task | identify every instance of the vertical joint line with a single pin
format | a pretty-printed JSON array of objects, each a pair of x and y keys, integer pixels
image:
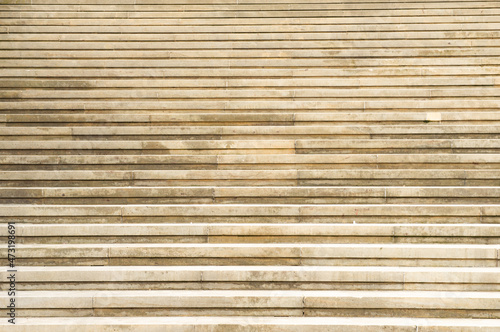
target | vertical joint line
[
  {"x": 207, "y": 234},
  {"x": 300, "y": 252}
]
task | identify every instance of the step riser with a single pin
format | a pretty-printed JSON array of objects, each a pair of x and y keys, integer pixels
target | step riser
[
  {"x": 107, "y": 200},
  {"x": 98, "y": 239},
  {"x": 256, "y": 219},
  {"x": 146, "y": 261},
  {"x": 268, "y": 285},
  {"x": 211, "y": 324},
  {"x": 265, "y": 312},
  {"x": 261, "y": 151},
  {"x": 270, "y": 136},
  {"x": 264, "y": 166}
]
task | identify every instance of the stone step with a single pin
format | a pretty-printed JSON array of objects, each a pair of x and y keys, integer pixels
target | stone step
[
  {"x": 71, "y": 233},
  {"x": 252, "y": 213},
  {"x": 24, "y": 35},
  {"x": 281, "y": 73},
  {"x": 274, "y": 53},
  {"x": 208, "y": 324},
  {"x": 198, "y": 12},
  {"x": 370, "y": 94},
  {"x": 432, "y": 255},
  {"x": 221, "y": 6},
  {"x": 248, "y": 45},
  {"x": 256, "y": 161},
  {"x": 259, "y": 21},
  {"x": 252, "y": 278},
  {"x": 240, "y": 119},
  {"x": 292, "y": 63},
  {"x": 426, "y": 304},
  {"x": 253, "y": 84},
  {"x": 402, "y": 26},
  {"x": 248, "y": 147},
  {"x": 333, "y": 177},
  {"x": 429, "y": 131},
  {"x": 251, "y": 195},
  {"x": 250, "y": 105},
  {"x": 259, "y": 210}
]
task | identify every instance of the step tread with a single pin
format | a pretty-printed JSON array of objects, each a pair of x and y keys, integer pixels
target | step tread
[{"x": 289, "y": 323}]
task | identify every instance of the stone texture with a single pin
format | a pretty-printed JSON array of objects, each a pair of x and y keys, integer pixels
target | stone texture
[{"x": 206, "y": 165}]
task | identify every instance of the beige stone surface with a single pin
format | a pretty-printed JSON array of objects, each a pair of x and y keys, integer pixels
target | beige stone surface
[
  {"x": 236, "y": 165},
  {"x": 212, "y": 324}
]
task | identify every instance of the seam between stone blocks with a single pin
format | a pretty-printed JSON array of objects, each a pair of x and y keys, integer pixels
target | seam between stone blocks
[
  {"x": 43, "y": 195},
  {"x": 207, "y": 234},
  {"x": 109, "y": 256},
  {"x": 393, "y": 234},
  {"x": 300, "y": 255},
  {"x": 121, "y": 214},
  {"x": 132, "y": 178}
]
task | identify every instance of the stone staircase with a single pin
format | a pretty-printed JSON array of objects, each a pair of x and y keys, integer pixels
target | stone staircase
[{"x": 249, "y": 165}]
